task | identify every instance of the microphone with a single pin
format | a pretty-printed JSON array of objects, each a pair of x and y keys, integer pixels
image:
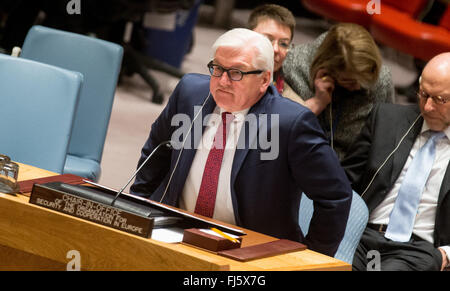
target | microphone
[
  {"x": 166, "y": 143},
  {"x": 182, "y": 148}
]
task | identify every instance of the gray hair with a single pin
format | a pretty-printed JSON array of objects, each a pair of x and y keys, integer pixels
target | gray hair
[{"x": 240, "y": 38}]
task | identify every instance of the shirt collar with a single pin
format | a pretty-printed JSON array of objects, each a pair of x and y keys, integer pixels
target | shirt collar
[
  {"x": 238, "y": 115},
  {"x": 425, "y": 128}
]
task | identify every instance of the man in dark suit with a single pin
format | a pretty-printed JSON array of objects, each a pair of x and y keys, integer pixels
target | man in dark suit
[
  {"x": 401, "y": 151},
  {"x": 274, "y": 150}
]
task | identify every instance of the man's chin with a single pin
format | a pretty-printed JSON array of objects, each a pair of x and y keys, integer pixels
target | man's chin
[
  {"x": 223, "y": 100},
  {"x": 435, "y": 124},
  {"x": 223, "y": 96}
]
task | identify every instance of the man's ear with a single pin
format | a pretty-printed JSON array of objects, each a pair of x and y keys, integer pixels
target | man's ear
[{"x": 266, "y": 80}]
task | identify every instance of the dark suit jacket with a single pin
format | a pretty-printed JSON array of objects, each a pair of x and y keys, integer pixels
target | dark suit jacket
[
  {"x": 265, "y": 193},
  {"x": 383, "y": 131}
]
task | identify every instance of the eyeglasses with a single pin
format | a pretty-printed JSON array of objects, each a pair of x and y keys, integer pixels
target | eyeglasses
[
  {"x": 233, "y": 74},
  {"x": 283, "y": 45},
  {"x": 437, "y": 99}
]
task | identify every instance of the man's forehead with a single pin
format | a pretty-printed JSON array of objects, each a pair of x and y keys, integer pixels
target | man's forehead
[
  {"x": 228, "y": 56},
  {"x": 434, "y": 84}
]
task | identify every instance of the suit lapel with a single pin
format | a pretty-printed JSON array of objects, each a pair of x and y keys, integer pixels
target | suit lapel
[
  {"x": 445, "y": 188},
  {"x": 188, "y": 154},
  {"x": 402, "y": 154},
  {"x": 441, "y": 212},
  {"x": 247, "y": 137}
]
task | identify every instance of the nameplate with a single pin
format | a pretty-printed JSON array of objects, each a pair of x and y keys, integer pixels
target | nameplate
[{"x": 92, "y": 211}]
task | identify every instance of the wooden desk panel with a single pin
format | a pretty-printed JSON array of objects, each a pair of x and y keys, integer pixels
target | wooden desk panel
[{"x": 35, "y": 238}]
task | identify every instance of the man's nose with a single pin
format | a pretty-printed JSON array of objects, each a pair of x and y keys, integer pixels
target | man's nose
[
  {"x": 225, "y": 79},
  {"x": 429, "y": 105}
]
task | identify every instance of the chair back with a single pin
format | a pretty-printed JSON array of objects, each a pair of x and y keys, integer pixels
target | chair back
[
  {"x": 356, "y": 223},
  {"x": 38, "y": 104},
  {"x": 445, "y": 20},
  {"x": 99, "y": 61},
  {"x": 410, "y": 7}
]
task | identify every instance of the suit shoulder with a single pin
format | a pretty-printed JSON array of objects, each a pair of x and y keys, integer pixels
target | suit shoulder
[
  {"x": 395, "y": 109},
  {"x": 193, "y": 84},
  {"x": 291, "y": 115},
  {"x": 195, "y": 77},
  {"x": 286, "y": 106}
]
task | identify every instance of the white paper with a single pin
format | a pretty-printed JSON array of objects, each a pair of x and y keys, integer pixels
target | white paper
[{"x": 168, "y": 235}]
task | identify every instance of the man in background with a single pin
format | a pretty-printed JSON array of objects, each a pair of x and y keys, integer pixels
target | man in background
[{"x": 400, "y": 166}]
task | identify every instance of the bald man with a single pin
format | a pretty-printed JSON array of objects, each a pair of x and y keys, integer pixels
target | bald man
[{"x": 400, "y": 166}]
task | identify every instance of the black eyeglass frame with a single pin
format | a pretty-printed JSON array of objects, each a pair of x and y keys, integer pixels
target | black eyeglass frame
[{"x": 211, "y": 66}]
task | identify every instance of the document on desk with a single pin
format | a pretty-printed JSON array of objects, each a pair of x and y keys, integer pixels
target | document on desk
[{"x": 168, "y": 235}]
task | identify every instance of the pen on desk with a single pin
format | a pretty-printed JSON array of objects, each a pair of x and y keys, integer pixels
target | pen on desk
[{"x": 224, "y": 235}]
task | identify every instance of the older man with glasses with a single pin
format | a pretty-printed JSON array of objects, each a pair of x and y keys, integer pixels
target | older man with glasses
[
  {"x": 219, "y": 167},
  {"x": 400, "y": 166}
]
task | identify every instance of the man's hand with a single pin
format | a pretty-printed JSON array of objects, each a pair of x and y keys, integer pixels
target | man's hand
[
  {"x": 324, "y": 87},
  {"x": 444, "y": 259}
]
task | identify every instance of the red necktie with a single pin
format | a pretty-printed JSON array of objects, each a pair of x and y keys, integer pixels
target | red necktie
[{"x": 206, "y": 199}]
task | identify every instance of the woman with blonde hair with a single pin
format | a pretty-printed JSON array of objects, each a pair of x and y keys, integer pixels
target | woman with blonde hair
[{"x": 339, "y": 76}]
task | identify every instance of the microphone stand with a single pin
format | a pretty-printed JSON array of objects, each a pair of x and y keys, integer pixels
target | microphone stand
[{"x": 167, "y": 143}]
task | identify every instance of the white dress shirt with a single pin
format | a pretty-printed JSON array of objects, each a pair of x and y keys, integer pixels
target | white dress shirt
[
  {"x": 426, "y": 214},
  {"x": 223, "y": 209}
]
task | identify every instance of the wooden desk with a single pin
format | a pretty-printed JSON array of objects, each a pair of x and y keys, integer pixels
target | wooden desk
[{"x": 35, "y": 238}]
